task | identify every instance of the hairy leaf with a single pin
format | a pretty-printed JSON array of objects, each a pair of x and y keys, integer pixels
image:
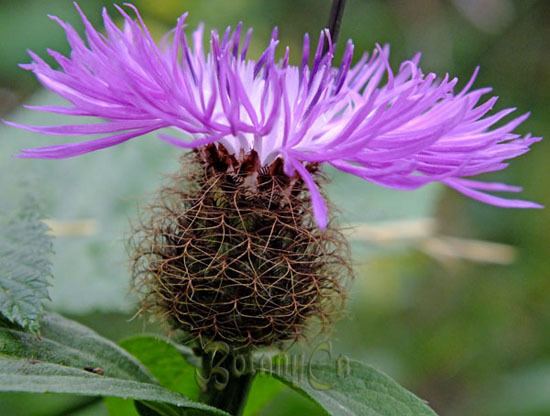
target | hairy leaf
[
  {"x": 91, "y": 200},
  {"x": 70, "y": 358},
  {"x": 350, "y": 389},
  {"x": 25, "y": 266}
]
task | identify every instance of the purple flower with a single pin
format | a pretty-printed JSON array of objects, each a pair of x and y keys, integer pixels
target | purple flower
[{"x": 401, "y": 129}]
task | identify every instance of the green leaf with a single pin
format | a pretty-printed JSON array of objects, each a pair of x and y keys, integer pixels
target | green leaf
[
  {"x": 30, "y": 404},
  {"x": 70, "y": 358},
  {"x": 171, "y": 364},
  {"x": 166, "y": 361},
  {"x": 120, "y": 407},
  {"x": 352, "y": 389},
  {"x": 264, "y": 390},
  {"x": 94, "y": 189},
  {"x": 65, "y": 342},
  {"x": 25, "y": 266}
]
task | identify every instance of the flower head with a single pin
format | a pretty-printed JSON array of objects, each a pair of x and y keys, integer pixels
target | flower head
[{"x": 401, "y": 129}]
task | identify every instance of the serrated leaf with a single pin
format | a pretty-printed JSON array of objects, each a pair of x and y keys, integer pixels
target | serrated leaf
[
  {"x": 25, "y": 264},
  {"x": 103, "y": 189},
  {"x": 361, "y": 391},
  {"x": 70, "y": 358}
]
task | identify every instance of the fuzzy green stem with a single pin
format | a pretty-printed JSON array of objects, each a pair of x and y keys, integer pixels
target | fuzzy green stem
[{"x": 225, "y": 387}]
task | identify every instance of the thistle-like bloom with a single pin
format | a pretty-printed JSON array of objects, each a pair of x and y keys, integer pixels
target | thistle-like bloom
[{"x": 401, "y": 129}]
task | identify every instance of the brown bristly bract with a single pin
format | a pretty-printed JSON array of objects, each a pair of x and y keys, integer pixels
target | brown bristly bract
[{"x": 230, "y": 252}]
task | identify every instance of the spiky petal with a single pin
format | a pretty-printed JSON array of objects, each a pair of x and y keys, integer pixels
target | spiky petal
[{"x": 401, "y": 130}]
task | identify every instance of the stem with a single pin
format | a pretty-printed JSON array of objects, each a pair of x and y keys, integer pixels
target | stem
[
  {"x": 335, "y": 19},
  {"x": 225, "y": 388}
]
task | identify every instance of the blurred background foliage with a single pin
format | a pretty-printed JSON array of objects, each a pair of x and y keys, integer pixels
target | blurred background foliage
[{"x": 462, "y": 322}]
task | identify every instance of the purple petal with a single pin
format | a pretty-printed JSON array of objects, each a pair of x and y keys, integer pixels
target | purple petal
[
  {"x": 490, "y": 199},
  {"x": 320, "y": 210}
]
